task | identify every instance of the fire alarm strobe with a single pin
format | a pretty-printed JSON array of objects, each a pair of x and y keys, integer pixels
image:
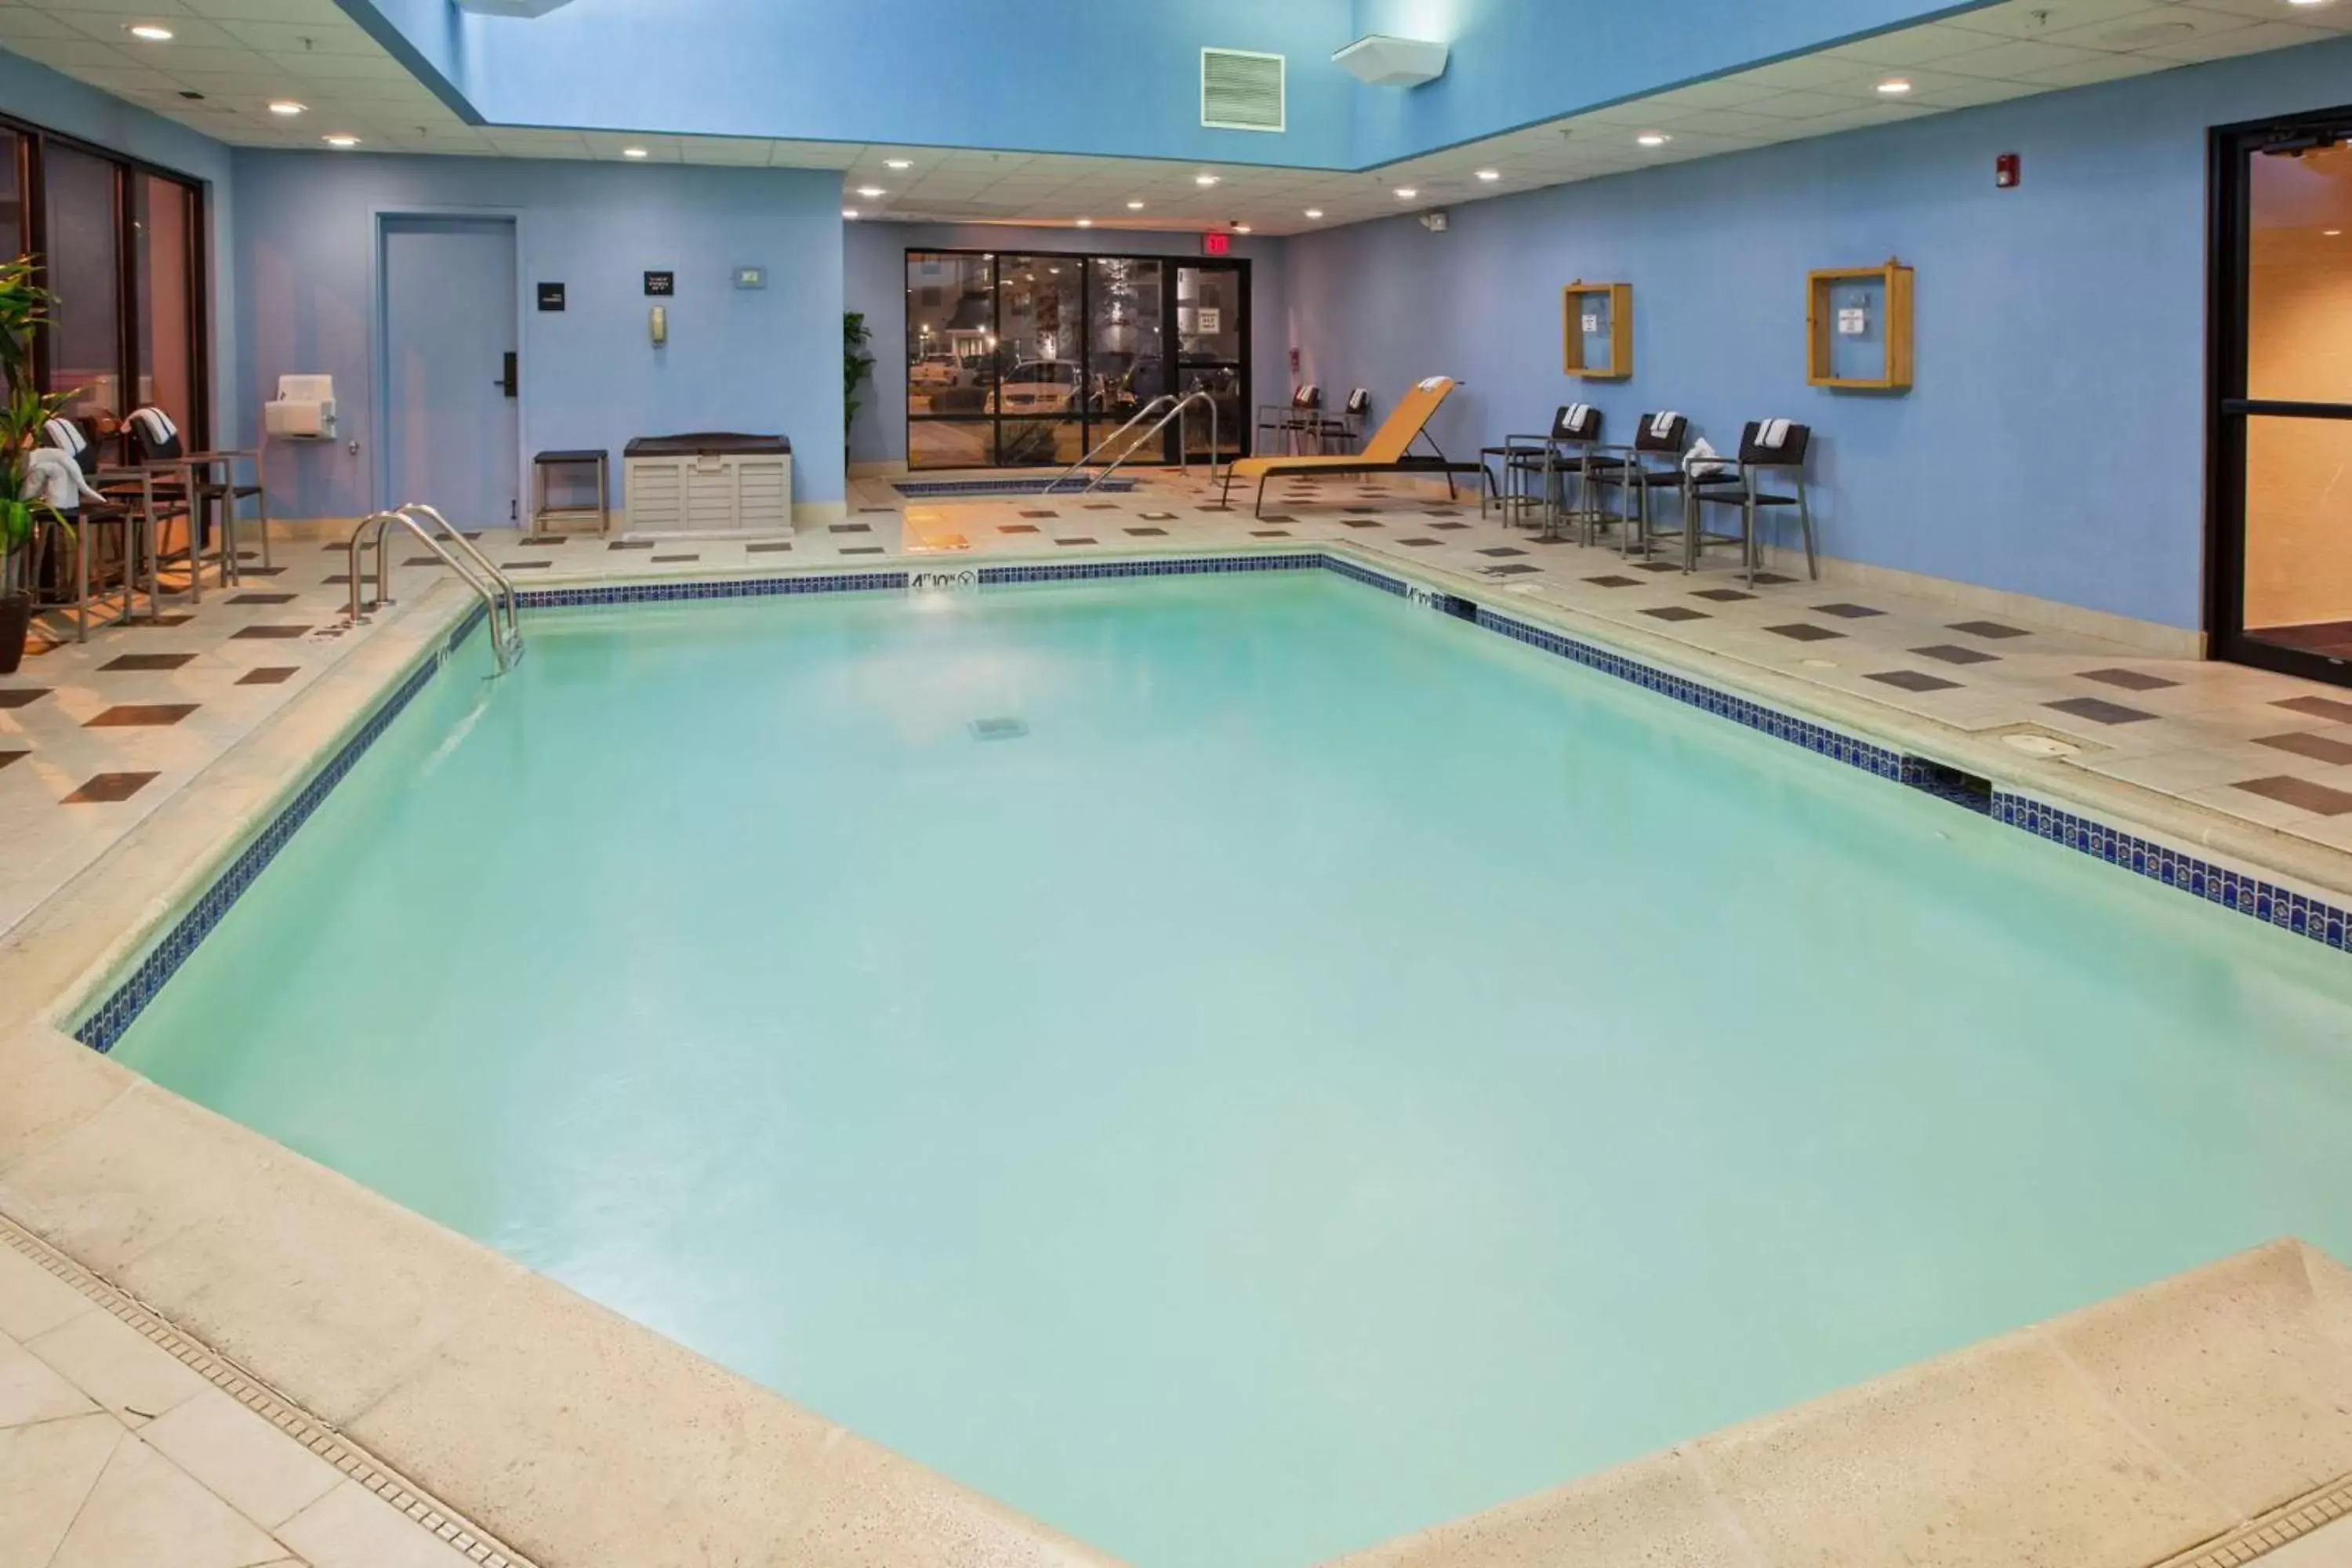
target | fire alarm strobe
[{"x": 2006, "y": 170}]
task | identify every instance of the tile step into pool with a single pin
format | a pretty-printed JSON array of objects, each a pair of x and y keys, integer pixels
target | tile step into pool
[{"x": 1253, "y": 1058}]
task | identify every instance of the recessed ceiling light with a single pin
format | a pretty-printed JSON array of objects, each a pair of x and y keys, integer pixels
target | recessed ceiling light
[
  {"x": 1490, "y": 175},
  {"x": 287, "y": 106},
  {"x": 1894, "y": 87},
  {"x": 871, "y": 192},
  {"x": 1653, "y": 138},
  {"x": 2331, "y": 233},
  {"x": 1314, "y": 212},
  {"x": 340, "y": 139},
  {"x": 896, "y": 163},
  {"x": 2306, "y": 2},
  {"x": 850, "y": 213},
  {"x": 1204, "y": 181},
  {"x": 1241, "y": 228},
  {"x": 1135, "y": 207},
  {"x": 1086, "y": 223},
  {"x": 634, "y": 153},
  {"x": 1406, "y": 193},
  {"x": 153, "y": 32}
]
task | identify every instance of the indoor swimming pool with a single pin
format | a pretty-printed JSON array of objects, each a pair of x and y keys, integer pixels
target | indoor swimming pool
[{"x": 1241, "y": 1067}]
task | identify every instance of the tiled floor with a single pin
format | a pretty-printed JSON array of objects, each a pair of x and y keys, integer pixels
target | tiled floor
[
  {"x": 93, "y": 737},
  {"x": 115, "y": 1454}
]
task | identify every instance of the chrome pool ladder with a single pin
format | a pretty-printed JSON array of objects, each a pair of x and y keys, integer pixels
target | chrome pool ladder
[
  {"x": 1170, "y": 408},
  {"x": 493, "y": 586}
]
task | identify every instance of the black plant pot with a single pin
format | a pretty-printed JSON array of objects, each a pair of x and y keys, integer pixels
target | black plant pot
[{"x": 15, "y": 620}]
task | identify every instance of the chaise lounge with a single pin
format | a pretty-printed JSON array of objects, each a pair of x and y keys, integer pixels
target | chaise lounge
[{"x": 1385, "y": 453}]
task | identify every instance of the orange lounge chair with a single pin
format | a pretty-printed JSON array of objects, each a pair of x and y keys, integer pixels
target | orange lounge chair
[{"x": 1385, "y": 453}]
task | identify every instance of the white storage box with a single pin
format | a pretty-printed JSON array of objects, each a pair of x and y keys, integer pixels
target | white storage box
[{"x": 712, "y": 484}]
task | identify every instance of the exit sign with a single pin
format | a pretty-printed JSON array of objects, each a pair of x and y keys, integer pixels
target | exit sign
[{"x": 1216, "y": 244}]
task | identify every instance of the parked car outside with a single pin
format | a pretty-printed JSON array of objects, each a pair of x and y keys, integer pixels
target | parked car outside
[{"x": 1038, "y": 386}]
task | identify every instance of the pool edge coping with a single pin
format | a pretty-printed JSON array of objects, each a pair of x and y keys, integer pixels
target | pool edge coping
[{"x": 450, "y": 619}]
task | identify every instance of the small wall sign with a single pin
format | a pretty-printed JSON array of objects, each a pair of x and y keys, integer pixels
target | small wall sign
[
  {"x": 661, "y": 284},
  {"x": 1215, "y": 243},
  {"x": 551, "y": 296},
  {"x": 1212, "y": 319},
  {"x": 751, "y": 278}
]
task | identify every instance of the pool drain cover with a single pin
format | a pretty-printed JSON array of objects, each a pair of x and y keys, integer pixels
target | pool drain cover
[{"x": 999, "y": 728}]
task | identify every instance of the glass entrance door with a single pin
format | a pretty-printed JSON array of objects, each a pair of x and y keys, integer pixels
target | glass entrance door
[
  {"x": 2282, "y": 446},
  {"x": 1213, "y": 338}
]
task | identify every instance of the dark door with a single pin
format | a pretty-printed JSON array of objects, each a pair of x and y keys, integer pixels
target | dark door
[
  {"x": 2281, "y": 360},
  {"x": 1213, "y": 336}
]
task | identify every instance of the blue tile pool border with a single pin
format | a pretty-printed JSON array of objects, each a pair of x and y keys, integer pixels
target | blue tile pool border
[{"x": 2223, "y": 886}]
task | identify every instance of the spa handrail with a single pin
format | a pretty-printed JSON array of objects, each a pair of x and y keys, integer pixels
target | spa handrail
[
  {"x": 473, "y": 552},
  {"x": 1140, "y": 414},
  {"x": 495, "y": 591},
  {"x": 1184, "y": 453}
]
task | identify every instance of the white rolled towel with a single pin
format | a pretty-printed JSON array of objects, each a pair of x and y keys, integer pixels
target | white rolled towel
[
  {"x": 1703, "y": 460},
  {"x": 157, "y": 423},
  {"x": 53, "y": 478},
  {"x": 64, "y": 435}
]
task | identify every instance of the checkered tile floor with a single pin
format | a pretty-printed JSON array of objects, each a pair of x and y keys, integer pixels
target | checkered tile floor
[{"x": 93, "y": 737}]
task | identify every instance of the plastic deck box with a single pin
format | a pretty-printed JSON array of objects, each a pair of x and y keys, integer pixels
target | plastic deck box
[{"x": 707, "y": 484}]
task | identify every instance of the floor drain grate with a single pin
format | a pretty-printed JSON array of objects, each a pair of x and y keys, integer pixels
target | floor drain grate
[{"x": 999, "y": 728}]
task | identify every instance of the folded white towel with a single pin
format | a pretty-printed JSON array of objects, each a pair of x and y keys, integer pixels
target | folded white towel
[
  {"x": 1662, "y": 426},
  {"x": 64, "y": 435},
  {"x": 53, "y": 478},
  {"x": 157, "y": 423},
  {"x": 1433, "y": 383},
  {"x": 1703, "y": 460},
  {"x": 1774, "y": 433},
  {"x": 1578, "y": 413}
]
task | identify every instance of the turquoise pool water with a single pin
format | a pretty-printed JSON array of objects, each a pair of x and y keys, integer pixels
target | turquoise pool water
[{"x": 1336, "y": 1069}]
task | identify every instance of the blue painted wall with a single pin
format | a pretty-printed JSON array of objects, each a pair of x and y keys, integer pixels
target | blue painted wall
[
  {"x": 760, "y": 359},
  {"x": 1072, "y": 76},
  {"x": 1517, "y": 62},
  {"x": 35, "y": 93},
  {"x": 875, "y": 282},
  {"x": 2054, "y": 442}
]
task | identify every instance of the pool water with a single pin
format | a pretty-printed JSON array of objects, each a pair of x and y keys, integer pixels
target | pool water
[{"x": 1325, "y": 1069}]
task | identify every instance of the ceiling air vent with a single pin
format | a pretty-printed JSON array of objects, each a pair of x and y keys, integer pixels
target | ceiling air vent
[{"x": 1240, "y": 91}]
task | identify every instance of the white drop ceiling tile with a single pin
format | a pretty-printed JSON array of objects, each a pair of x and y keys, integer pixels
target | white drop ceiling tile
[
  {"x": 229, "y": 61},
  {"x": 160, "y": 10},
  {"x": 2038, "y": 18},
  {"x": 113, "y": 28},
  {"x": 70, "y": 55},
  {"x": 2334, "y": 18},
  {"x": 1799, "y": 74},
  {"x": 2012, "y": 60},
  {"x": 296, "y": 39},
  {"x": 1909, "y": 46},
  {"x": 1726, "y": 92},
  {"x": 2255, "y": 37},
  {"x": 2105, "y": 67},
  {"x": 1726, "y": 122},
  {"x": 2170, "y": 26},
  {"x": 378, "y": 67},
  {"x": 320, "y": 14},
  {"x": 22, "y": 22}
]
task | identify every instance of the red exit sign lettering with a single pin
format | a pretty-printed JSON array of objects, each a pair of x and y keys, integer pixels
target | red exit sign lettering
[{"x": 1216, "y": 244}]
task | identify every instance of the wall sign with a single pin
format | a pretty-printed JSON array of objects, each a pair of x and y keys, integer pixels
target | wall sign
[
  {"x": 663, "y": 284},
  {"x": 751, "y": 278},
  {"x": 1215, "y": 243},
  {"x": 551, "y": 296},
  {"x": 1211, "y": 320}
]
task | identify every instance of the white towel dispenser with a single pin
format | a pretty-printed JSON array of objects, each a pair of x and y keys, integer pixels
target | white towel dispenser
[{"x": 303, "y": 409}]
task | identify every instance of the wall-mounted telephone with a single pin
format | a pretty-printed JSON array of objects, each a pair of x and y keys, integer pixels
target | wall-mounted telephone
[{"x": 659, "y": 325}]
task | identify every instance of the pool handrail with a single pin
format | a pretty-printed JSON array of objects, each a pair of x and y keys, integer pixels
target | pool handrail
[
  {"x": 1140, "y": 414},
  {"x": 495, "y": 590}
]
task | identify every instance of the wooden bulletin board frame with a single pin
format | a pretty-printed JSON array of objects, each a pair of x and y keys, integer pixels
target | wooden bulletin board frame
[
  {"x": 1620, "y": 298},
  {"x": 1895, "y": 282}
]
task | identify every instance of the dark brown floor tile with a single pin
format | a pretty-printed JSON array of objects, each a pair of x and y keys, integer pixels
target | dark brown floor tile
[
  {"x": 1914, "y": 680},
  {"x": 1774, "y": 578},
  {"x": 1449, "y": 527},
  {"x": 129, "y": 661},
  {"x": 536, "y": 540},
  {"x": 1081, "y": 539},
  {"x": 1512, "y": 570},
  {"x": 858, "y": 527},
  {"x": 18, "y": 696},
  {"x": 2099, "y": 711},
  {"x": 261, "y": 598},
  {"x": 2129, "y": 679},
  {"x": 2300, "y": 793},
  {"x": 674, "y": 560},
  {"x": 162, "y": 623},
  {"x": 1722, "y": 596},
  {"x": 1159, "y": 517},
  {"x": 1268, "y": 533},
  {"x": 1803, "y": 631},
  {"x": 525, "y": 565},
  {"x": 630, "y": 544},
  {"x": 1358, "y": 522},
  {"x": 141, "y": 715},
  {"x": 1017, "y": 527},
  {"x": 1677, "y": 612},
  {"x": 2318, "y": 747},
  {"x": 7, "y": 757},
  {"x": 1613, "y": 580},
  {"x": 261, "y": 571},
  {"x": 1952, "y": 653},
  {"x": 268, "y": 634},
  {"x": 1148, "y": 533},
  {"x": 1277, "y": 517},
  {"x": 1501, "y": 550},
  {"x": 1658, "y": 566},
  {"x": 767, "y": 548},
  {"x": 1041, "y": 513},
  {"x": 1847, "y": 612},
  {"x": 863, "y": 549},
  {"x": 1988, "y": 630},
  {"x": 269, "y": 675},
  {"x": 104, "y": 789},
  {"x": 1420, "y": 543},
  {"x": 2318, "y": 708}
]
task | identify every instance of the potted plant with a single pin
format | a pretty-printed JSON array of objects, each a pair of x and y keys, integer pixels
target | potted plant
[
  {"x": 857, "y": 364},
  {"x": 24, "y": 306}
]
